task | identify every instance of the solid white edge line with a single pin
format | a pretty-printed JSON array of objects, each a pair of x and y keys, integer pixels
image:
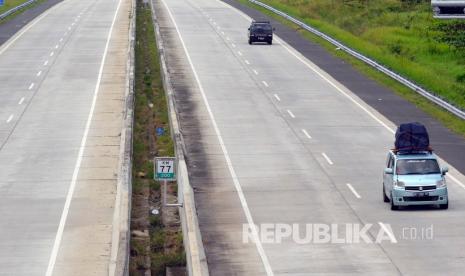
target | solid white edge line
[
  {"x": 290, "y": 113},
  {"x": 352, "y": 189},
  {"x": 456, "y": 181},
  {"x": 265, "y": 83},
  {"x": 277, "y": 97},
  {"x": 306, "y": 134},
  {"x": 21, "y": 101},
  {"x": 64, "y": 215},
  {"x": 9, "y": 119},
  {"x": 327, "y": 158},
  {"x": 234, "y": 177}
]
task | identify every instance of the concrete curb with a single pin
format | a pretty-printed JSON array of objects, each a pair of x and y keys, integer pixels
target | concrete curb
[
  {"x": 195, "y": 252},
  {"x": 119, "y": 258}
]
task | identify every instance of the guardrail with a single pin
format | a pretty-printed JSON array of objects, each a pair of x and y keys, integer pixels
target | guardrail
[
  {"x": 15, "y": 9},
  {"x": 423, "y": 92}
]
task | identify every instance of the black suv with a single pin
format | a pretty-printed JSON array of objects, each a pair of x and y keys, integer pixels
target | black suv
[{"x": 260, "y": 31}]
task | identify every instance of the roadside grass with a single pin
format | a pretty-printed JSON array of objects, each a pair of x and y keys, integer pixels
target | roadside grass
[
  {"x": 401, "y": 36},
  {"x": 451, "y": 121},
  {"x": 9, "y": 4},
  {"x": 162, "y": 247}
]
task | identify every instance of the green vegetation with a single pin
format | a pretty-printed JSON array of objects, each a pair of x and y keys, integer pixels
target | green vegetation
[
  {"x": 164, "y": 245},
  {"x": 9, "y": 4},
  {"x": 399, "y": 34},
  {"x": 423, "y": 53}
]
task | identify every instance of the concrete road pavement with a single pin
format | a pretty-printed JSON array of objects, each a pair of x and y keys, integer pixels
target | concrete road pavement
[
  {"x": 62, "y": 87},
  {"x": 273, "y": 139}
]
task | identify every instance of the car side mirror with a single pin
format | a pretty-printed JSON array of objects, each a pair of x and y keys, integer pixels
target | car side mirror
[
  {"x": 444, "y": 170},
  {"x": 388, "y": 171}
]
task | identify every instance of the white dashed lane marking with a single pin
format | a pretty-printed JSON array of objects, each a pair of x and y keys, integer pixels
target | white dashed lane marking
[
  {"x": 327, "y": 158},
  {"x": 306, "y": 134},
  {"x": 352, "y": 189}
]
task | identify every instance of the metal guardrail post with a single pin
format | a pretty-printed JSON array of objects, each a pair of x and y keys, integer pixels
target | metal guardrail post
[
  {"x": 15, "y": 9},
  {"x": 410, "y": 84}
]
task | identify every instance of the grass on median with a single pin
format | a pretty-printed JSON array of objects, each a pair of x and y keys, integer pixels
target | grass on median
[
  {"x": 164, "y": 245},
  {"x": 448, "y": 119}
]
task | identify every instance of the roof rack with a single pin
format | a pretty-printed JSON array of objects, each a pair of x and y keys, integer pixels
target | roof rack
[{"x": 411, "y": 151}]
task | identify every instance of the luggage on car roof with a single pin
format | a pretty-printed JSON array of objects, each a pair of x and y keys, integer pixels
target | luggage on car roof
[{"x": 412, "y": 137}]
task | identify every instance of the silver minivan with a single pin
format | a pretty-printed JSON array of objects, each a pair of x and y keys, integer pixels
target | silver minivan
[{"x": 414, "y": 179}]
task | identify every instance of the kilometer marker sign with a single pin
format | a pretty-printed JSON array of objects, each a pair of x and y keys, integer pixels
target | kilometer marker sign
[{"x": 165, "y": 168}]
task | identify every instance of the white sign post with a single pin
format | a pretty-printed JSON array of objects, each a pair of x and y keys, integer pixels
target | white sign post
[{"x": 165, "y": 170}]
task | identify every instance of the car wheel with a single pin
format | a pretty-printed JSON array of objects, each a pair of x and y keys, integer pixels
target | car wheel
[
  {"x": 444, "y": 206},
  {"x": 250, "y": 41},
  {"x": 393, "y": 207},
  {"x": 270, "y": 42},
  {"x": 385, "y": 198}
]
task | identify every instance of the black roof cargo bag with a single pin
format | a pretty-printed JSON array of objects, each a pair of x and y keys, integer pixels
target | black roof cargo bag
[{"x": 412, "y": 137}]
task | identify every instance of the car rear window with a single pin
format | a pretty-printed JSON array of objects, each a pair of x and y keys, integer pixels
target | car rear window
[{"x": 259, "y": 27}]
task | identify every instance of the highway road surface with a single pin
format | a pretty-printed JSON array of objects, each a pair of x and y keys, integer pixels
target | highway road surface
[
  {"x": 62, "y": 87},
  {"x": 273, "y": 139}
]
